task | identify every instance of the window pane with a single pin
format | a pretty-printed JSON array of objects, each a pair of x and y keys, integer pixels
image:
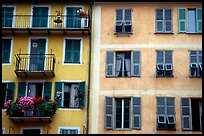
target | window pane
[
  {"x": 191, "y": 21},
  {"x": 126, "y": 113},
  {"x": 159, "y": 14},
  {"x": 118, "y": 113}
]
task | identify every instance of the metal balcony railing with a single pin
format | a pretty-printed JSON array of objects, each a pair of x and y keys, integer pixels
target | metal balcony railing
[{"x": 47, "y": 21}]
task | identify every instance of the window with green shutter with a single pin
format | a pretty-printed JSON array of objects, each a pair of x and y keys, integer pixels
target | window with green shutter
[
  {"x": 7, "y": 16},
  {"x": 72, "y": 51},
  {"x": 182, "y": 19},
  {"x": 8, "y": 90},
  {"x": 195, "y": 63},
  {"x": 72, "y": 19},
  {"x": 6, "y": 50},
  {"x": 47, "y": 90},
  {"x": 40, "y": 17}
]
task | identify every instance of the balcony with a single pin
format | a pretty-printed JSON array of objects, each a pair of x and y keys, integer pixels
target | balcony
[
  {"x": 12, "y": 24},
  {"x": 35, "y": 65}
]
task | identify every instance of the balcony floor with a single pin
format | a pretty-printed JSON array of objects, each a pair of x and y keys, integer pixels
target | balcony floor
[
  {"x": 31, "y": 119},
  {"x": 35, "y": 73}
]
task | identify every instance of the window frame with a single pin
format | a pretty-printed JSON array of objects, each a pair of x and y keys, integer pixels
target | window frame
[
  {"x": 31, "y": 12},
  {"x": 81, "y": 50},
  {"x": 68, "y": 128},
  {"x": 33, "y": 82},
  {"x": 197, "y": 63},
  {"x": 11, "y": 50},
  {"x": 14, "y": 13}
]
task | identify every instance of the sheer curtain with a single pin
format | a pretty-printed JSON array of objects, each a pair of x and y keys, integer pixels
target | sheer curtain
[
  {"x": 118, "y": 63},
  {"x": 74, "y": 102},
  {"x": 127, "y": 63}
]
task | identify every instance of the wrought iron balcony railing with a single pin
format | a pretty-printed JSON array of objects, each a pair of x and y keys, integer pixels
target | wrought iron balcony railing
[{"x": 35, "y": 65}]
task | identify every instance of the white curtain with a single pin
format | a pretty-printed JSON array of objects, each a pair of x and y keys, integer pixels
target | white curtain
[
  {"x": 118, "y": 63},
  {"x": 74, "y": 102},
  {"x": 127, "y": 63}
]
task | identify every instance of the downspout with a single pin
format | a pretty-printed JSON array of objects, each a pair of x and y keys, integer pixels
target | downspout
[{"x": 89, "y": 67}]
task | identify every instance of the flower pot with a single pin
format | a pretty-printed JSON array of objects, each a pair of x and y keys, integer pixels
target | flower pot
[
  {"x": 39, "y": 113},
  {"x": 28, "y": 113}
]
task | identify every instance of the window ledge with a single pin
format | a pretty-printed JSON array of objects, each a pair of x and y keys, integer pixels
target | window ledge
[
  {"x": 193, "y": 33},
  {"x": 160, "y": 129},
  {"x": 164, "y": 76},
  {"x": 195, "y": 76},
  {"x": 69, "y": 108},
  {"x": 120, "y": 129},
  {"x": 163, "y": 33},
  {"x": 123, "y": 77},
  {"x": 123, "y": 33}
]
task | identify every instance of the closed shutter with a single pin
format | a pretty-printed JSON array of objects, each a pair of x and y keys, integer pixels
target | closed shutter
[
  {"x": 170, "y": 111},
  {"x": 82, "y": 94},
  {"x": 58, "y": 88},
  {"x": 136, "y": 113},
  {"x": 185, "y": 114},
  {"x": 41, "y": 51},
  {"x": 108, "y": 115},
  {"x": 168, "y": 57},
  {"x": 159, "y": 20},
  {"x": 7, "y": 16},
  {"x": 128, "y": 20},
  {"x": 109, "y": 63},
  {"x": 10, "y": 91},
  {"x": 47, "y": 90},
  {"x": 168, "y": 20},
  {"x": 182, "y": 20},
  {"x": 21, "y": 89},
  {"x": 199, "y": 20},
  {"x": 40, "y": 16},
  {"x": 135, "y": 63},
  {"x": 76, "y": 51},
  {"x": 161, "y": 114},
  {"x": 73, "y": 21},
  {"x": 119, "y": 21},
  {"x": 168, "y": 63},
  {"x": 6, "y": 49},
  {"x": 68, "y": 51}
]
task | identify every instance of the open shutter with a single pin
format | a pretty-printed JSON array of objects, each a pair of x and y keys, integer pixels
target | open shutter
[
  {"x": 10, "y": 91},
  {"x": 168, "y": 20},
  {"x": 58, "y": 88},
  {"x": 182, "y": 19},
  {"x": 21, "y": 89},
  {"x": 82, "y": 94},
  {"x": 119, "y": 21},
  {"x": 109, "y": 63},
  {"x": 135, "y": 63},
  {"x": 47, "y": 90},
  {"x": 185, "y": 114},
  {"x": 136, "y": 113},
  {"x": 159, "y": 20},
  {"x": 108, "y": 115},
  {"x": 199, "y": 20},
  {"x": 128, "y": 20}
]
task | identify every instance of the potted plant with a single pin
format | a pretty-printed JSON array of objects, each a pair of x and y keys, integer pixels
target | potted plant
[
  {"x": 40, "y": 109},
  {"x": 26, "y": 105}
]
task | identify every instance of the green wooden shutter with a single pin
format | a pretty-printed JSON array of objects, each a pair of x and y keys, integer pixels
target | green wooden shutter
[
  {"x": 199, "y": 20},
  {"x": 136, "y": 113},
  {"x": 21, "y": 89},
  {"x": 182, "y": 19},
  {"x": 40, "y": 17},
  {"x": 82, "y": 94},
  {"x": 58, "y": 88},
  {"x": 108, "y": 113},
  {"x": 135, "y": 63},
  {"x": 6, "y": 49},
  {"x": 41, "y": 50},
  {"x": 47, "y": 90},
  {"x": 76, "y": 51},
  {"x": 68, "y": 51},
  {"x": 110, "y": 63},
  {"x": 10, "y": 90},
  {"x": 7, "y": 16},
  {"x": 119, "y": 21},
  {"x": 72, "y": 20},
  {"x": 159, "y": 20},
  {"x": 185, "y": 114}
]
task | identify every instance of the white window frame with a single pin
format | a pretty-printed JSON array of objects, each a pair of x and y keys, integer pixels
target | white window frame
[
  {"x": 14, "y": 13},
  {"x": 29, "y": 48},
  {"x": 65, "y": 14},
  {"x": 3, "y": 130},
  {"x": 24, "y": 128},
  {"x": 31, "y": 13},
  {"x": 81, "y": 50},
  {"x": 168, "y": 119},
  {"x": 34, "y": 81},
  {"x": 163, "y": 117},
  {"x": 67, "y": 127},
  {"x": 11, "y": 50}
]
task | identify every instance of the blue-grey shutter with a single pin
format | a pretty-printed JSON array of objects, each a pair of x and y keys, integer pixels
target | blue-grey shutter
[
  {"x": 193, "y": 62},
  {"x": 47, "y": 90},
  {"x": 168, "y": 20},
  {"x": 68, "y": 51},
  {"x": 110, "y": 63},
  {"x": 82, "y": 94},
  {"x": 199, "y": 20},
  {"x": 168, "y": 62},
  {"x": 6, "y": 49},
  {"x": 185, "y": 114},
  {"x": 10, "y": 90},
  {"x": 160, "y": 110},
  {"x": 135, "y": 63},
  {"x": 182, "y": 19},
  {"x": 136, "y": 113},
  {"x": 159, "y": 61},
  {"x": 128, "y": 20},
  {"x": 108, "y": 115},
  {"x": 119, "y": 21},
  {"x": 170, "y": 106},
  {"x": 21, "y": 89},
  {"x": 159, "y": 20},
  {"x": 58, "y": 88}
]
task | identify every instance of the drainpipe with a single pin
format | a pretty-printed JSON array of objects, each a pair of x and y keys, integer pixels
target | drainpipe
[{"x": 89, "y": 67}]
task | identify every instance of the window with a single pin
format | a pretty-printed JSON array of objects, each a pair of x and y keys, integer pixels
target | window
[
  {"x": 72, "y": 51},
  {"x": 190, "y": 19},
  {"x": 122, "y": 64},
  {"x": 7, "y": 16},
  {"x": 166, "y": 113},
  {"x": 7, "y": 92},
  {"x": 40, "y": 17},
  {"x": 31, "y": 131},
  {"x": 163, "y": 20},
  {"x": 72, "y": 19},
  {"x": 72, "y": 94},
  {"x": 196, "y": 63},
  {"x": 191, "y": 114},
  {"x": 35, "y": 89},
  {"x": 123, "y": 21},
  {"x": 118, "y": 116},
  {"x": 68, "y": 130},
  {"x": 6, "y": 50},
  {"x": 164, "y": 65}
]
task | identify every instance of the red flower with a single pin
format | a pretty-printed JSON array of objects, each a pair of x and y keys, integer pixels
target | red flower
[{"x": 55, "y": 103}]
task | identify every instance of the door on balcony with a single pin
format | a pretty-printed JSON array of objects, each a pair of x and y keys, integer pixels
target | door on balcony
[
  {"x": 73, "y": 21},
  {"x": 40, "y": 17},
  {"x": 37, "y": 55},
  {"x": 35, "y": 90}
]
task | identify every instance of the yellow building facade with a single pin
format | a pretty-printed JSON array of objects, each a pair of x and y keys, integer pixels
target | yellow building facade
[
  {"x": 147, "y": 68},
  {"x": 45, "y": 51}
]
